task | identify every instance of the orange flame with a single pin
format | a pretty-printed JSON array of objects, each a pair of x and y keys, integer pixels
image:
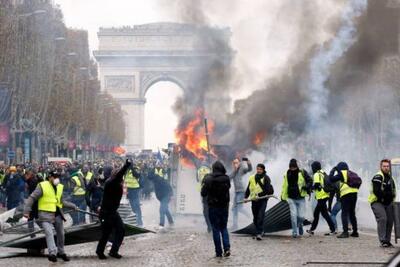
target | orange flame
[
  {"x": 259, "y": 138},
  {"x": 192, "y": 137}
]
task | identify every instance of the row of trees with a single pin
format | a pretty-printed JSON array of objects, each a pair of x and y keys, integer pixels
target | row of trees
[{"x": 55, "y": 92}]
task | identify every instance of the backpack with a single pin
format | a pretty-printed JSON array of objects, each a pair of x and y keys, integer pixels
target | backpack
[
  {"x": 329, "y": 187},
  {"x": 353, "y": 180}
]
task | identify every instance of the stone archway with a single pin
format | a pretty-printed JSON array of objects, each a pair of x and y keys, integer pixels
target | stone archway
[{"x": 132, "y": 59}]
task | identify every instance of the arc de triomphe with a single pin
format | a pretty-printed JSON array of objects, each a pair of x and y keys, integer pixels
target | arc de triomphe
[{"x": 132, "y": 59}]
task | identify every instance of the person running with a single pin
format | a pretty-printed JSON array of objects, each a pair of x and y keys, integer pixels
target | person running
[
  {"x": 321, "y": 197},
  {"x": 348, "y": 198}
]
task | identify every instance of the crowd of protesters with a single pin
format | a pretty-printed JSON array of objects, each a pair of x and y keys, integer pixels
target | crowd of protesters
[{"x": 83, "y": 180}]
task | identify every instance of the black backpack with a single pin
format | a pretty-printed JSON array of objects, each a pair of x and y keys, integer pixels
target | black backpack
[
  {"x": 353, "y": 180},
  {"x": 329, "y": 186}
]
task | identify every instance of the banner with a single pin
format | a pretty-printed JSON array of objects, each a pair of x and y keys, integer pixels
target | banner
[{"x": 4, "y": 135}]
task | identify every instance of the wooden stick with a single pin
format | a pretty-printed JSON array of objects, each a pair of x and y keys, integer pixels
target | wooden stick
[{"x": 255, "y": 199}]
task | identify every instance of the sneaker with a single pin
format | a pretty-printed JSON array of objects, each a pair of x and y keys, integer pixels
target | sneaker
[
  {"x": 384, "y": 245},
  {"x": 390, "y": 245},
  {"x": 310, "y": 232},
  {"x": 52, "y": 258},
  {"x": 343, "y": 235},
  {"x": 354, "y": 234},
  {"x": 330, "y": 233},
  {"x": 64, "y": 257},
  {"x": 115, "y": 255},
  {"x": 259, "y": 237},
  {"x": 227, "y": 253},
  {"x": 101, "y": 256}
]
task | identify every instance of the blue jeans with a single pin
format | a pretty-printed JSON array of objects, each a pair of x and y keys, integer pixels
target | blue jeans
[
  {"x": 164, "y": 211},
  {"x": 236, "y": 208},
  {"x": 78, "y": 217},
  {"x": 134, "y": 201},
  {"x": 297, "y": 209},
  {"x": 334, "y": 212},
  {"x": 219, "y": 221}
]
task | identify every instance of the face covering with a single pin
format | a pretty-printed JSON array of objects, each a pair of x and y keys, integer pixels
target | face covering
[
  {"x": 101, "y": 176},
  {"x": 56, "y": 181}
]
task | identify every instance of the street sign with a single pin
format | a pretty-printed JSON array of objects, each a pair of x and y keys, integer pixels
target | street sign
[{"x": 11, "y": 154}]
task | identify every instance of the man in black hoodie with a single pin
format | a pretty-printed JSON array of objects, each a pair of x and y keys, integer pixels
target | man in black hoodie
[
  {"x": 216, "y": 189},
  {"x": 109, "y": 216},
  {"x": 259, "y": 186}
]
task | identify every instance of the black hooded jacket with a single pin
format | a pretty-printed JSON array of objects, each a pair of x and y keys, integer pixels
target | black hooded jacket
[
  {"x": 113, "y": 190},
  {"x": 216, "y": 187}
]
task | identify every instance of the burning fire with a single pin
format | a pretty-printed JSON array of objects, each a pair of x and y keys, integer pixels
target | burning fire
[
  {"x": 259, "y": 138},
  {"x": 192, "y": 137}
]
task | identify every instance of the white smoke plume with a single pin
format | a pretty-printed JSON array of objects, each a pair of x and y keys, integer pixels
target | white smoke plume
[{"x": 321, "y": 63}]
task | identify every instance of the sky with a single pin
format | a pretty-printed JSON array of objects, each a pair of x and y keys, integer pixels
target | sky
[
  {"x": 160, "y": 121},
  {"x": 264, "y": 37}
]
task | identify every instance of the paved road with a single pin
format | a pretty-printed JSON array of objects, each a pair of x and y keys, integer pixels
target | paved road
[{"x": 191, "y": 247}]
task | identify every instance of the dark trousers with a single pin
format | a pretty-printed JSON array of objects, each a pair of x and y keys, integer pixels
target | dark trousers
[
  {"x": 322, "y": 209},
  {"x": 110, "y": 223},
  {"x": 258, "y": 208},
  {"x": 349, "y": 202},
  {"x": 384, "y": 215},
  {"x": 205, "y": 213},
  {"x": 219, "y": 222}
]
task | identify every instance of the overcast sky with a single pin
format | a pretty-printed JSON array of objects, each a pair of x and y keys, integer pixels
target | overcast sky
[
  {"x": 160, "y": 121},
  {"x": 264, "y": 36}
]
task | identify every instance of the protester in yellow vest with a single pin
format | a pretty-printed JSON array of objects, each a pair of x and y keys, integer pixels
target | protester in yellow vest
[
  {"x": 348, "y": 198},
  {"x": 322, "y": 197},
  {"x": 49, "y": 195},
  {"x": 87, "y": 174},
  {"x": 296, "y": 184},
  {"x": 382, "y": 196},
  {"x": 78, "y": 196},
  {"x": 160, "y": 172},
  {"x": 259, "y": 186},
  {"x": 132, "y": 178}
]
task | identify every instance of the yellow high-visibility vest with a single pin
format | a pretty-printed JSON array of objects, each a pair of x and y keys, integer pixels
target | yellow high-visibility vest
[
  {"x": 159, "y": 172},
  {"x": 78, "y": 189},
  {"x": 255, "y": 187},
  {"x": 50, "y": 200},
  {"x": 89, "y": 176},
  {"x": 131, "y": 181},
  {"x": 344, "y": 187},
  {"x": 372, "y": 197},
  {"x": 319, "y": 178},
  {"x": 301, "y": 181},
  {"x": 201, "y": 173}
]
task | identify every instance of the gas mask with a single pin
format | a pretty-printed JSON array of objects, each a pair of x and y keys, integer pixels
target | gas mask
[{"x": 56, "y": 181}]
